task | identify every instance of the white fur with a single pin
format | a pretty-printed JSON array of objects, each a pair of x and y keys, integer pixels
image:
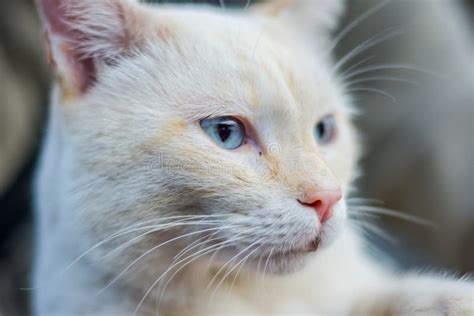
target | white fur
[{"x": 129, "y": 150}]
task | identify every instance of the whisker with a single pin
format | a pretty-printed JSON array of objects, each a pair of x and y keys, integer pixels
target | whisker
[
  {"x": 197, "y": 243},
  {"x": 357, "y": 200},
  {"x": 139, "y": 237},
  {"x": 161, "y": 277},
  {"x": 370, "y": 79},
  {"x": 259, "y": 262},
  {"x": 223, "y": 267},
  {"x": 395, "y": 214},
  {"x": 356, "y": 22},
  {"x": 200, "y": 252},
  {"x": 360, "y": 63},
  {"x": 183, "y": 217},
  {"x": 369, "y": 229},
  {"x": 83, "y": 186},
  {"x": 211, "y": 259},
  {"x": 193, "y": 245},
  {"x": 193, "y": 258},
  {"x": 221, "y": 270},
  {"x": 111, "y": 237},
  {"x": 265, "y": 271},
  {"x": 378, "y": 91},
  {"x": 241, "y": 265},
  {"x": 128, "y": 230},
  {"x": 388, "y": 67},
  {"x": 203, "y": 243},
  {"x": 234, "y": 266},
  {"x": 374, "y": 40},
  {"x": 152, "y": 250}
]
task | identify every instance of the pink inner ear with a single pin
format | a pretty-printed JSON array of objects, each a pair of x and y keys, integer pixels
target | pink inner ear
[
  {"x": 54, "y": 13},
  {"x": 81, "y": 70},
  {"x": 84, "y": 71}
]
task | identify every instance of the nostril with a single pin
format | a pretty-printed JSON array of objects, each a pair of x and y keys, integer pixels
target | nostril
[
  {"x": 322, "y": 202},
  {"x": 323, "y": 210},
  {"x": 320, "y": 208},
  {"x": 317, "y": 205}
]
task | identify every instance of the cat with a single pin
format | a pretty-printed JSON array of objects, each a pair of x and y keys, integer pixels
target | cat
[{"x": 198, "y": 161}]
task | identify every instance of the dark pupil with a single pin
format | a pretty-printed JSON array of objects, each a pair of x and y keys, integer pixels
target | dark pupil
[
  {"x": 321, "y": 130},
  {"x": 224, "y": 131}
]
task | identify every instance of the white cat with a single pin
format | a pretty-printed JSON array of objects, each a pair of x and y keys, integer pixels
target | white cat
[{"x": 198, "y": 162}]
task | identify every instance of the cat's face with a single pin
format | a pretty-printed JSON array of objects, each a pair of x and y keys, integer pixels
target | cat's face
[{"x": 206, "y": 124}]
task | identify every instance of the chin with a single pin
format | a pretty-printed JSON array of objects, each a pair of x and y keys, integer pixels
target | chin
[
  {"x": 284, "y": 265},
  {"x": 281, "y": 262}
]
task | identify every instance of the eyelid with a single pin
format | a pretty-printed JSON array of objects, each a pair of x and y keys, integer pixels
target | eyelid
[{"x": 251, "y": 133}]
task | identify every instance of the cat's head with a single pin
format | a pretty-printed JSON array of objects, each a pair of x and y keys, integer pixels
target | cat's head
[{"x": 221, "y": 131}]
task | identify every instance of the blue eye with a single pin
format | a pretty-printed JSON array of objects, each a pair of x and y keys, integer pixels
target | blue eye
[
  {"x": 325, "y": 130},
  {"x": 226, "y": 131}
]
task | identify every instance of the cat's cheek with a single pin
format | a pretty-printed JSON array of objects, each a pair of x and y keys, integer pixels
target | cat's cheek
[{"x": 249, "y": 147}]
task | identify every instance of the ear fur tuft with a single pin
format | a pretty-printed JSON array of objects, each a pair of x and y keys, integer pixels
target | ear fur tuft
[{"x": 83, "y": 34}]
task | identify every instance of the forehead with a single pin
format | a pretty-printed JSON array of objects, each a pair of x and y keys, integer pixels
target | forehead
[{"x": 247, "y": 65}]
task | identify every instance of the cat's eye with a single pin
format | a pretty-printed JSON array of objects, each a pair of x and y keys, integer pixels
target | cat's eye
[
  {"x": 226, "y": 131},
  {"x": 325, "y": 130}
]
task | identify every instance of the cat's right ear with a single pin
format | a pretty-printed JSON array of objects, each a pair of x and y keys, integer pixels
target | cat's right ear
[
  {"x": 84, "y": 35},
  {"x": 316, "y": 18}
]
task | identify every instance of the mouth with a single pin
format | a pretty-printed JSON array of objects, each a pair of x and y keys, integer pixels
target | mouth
[
  {"x": 278, "y": 260},
  {"x": 313, "y": 245}
]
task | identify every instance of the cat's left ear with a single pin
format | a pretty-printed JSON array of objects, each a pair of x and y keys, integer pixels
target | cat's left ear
[
  {"x": 314, "y": 17},
  {"x": 85, "y": 35}
]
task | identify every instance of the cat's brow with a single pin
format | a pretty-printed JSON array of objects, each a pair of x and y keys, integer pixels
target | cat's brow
[{"x": 198, "y": 111}]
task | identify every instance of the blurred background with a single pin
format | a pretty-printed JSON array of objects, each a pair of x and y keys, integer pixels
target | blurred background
[{"x": 419, "y": 148}]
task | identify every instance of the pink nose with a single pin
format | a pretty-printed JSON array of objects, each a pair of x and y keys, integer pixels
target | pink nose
[{"x": 322, "y": 202}]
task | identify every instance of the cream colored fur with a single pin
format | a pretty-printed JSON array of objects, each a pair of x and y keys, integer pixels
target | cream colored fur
[{"x": 128, "y": 155}]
